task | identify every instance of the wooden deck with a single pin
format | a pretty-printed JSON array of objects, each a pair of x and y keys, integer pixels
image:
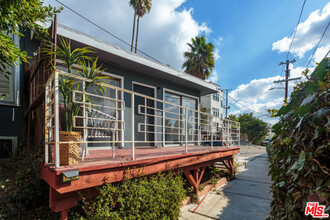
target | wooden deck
[{"x": 99, "y": 168}]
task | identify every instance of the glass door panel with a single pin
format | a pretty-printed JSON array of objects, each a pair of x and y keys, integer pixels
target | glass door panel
[{"x": 172, "y": 119}]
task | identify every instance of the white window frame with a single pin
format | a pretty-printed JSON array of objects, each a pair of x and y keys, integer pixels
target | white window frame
[
  {"x": 16, "y": 84},
  {"x": 214, "y": 112},
  {"x": 180, "y": 94}
]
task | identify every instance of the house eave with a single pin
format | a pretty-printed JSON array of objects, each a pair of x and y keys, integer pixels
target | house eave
[{"x": 138, "y": 63}]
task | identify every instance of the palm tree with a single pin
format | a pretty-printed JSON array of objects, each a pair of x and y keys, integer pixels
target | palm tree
[
  {"x": 200, "y": 58},
  {"x": 141, "y": 7},
  {"x": 133, "y": 3}
]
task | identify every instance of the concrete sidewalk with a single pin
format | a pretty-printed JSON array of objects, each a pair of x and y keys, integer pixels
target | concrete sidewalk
[{"x": 246, "y": 197}]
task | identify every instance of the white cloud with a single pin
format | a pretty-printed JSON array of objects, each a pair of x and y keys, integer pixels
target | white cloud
[
  {"x": 258, "y": 96},
  {"x": 163, "y": 33},
  {"x": 216, "y": 54},
  {"x": 319, "y": 54},
  {"x": 218, "y": 41},
  {"x": 213, "y": 77},
  {"x": 308, "y": 34}
]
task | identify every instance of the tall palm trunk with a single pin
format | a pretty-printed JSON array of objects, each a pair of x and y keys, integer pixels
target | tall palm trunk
[
  {"x": 137, "y": 33},
  {"x": 133, "y": 31}
]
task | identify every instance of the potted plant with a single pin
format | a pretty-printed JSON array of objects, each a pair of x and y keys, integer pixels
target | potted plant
[{"x": 70, "y": 152}]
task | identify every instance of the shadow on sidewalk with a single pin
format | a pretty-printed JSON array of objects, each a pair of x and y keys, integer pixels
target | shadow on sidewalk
[{"x": 248, "y": 196}]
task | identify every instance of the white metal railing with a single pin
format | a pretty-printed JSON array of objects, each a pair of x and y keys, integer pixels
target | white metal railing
[{"x": 100, "y": 119}]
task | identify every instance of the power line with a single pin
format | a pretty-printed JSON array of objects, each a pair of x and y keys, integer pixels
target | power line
[
  {"x": 295, "y": 30},
  {"x": 327, "y": 54},
  {"x": 261, "y": 115},
  {"x": 310, "y": 59},
  {"x": 245, "y": 106},
  {"x": 108, "y": 32},
  {"x": 294, "y": 34}
]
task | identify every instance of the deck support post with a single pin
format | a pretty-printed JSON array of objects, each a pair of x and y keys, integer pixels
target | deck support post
[
  {"x": 195, "y": 178},
  {"x": 64, "y": 214},
  {"x": 229, "y": 164}
]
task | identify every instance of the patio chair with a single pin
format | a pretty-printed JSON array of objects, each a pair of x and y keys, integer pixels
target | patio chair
[{"x": 98, "y": 120}]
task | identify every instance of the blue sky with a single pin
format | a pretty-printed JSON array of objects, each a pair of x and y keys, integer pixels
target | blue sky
[
  {"x": 248, "y": 30},
  {"x": 251, "y": 38}
]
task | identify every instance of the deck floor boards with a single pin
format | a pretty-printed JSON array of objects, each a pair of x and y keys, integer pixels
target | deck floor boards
[{"x": 124, "y": 156}]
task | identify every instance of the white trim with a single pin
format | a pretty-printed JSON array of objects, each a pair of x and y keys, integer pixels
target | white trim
[
  {"x": 155, "y": 103},
  {"x": 13, "y": 143},
  {"x": 180, "y": 94}
]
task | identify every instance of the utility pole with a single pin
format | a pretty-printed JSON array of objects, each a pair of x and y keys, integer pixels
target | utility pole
[
  {"x": 227, "y": 107},
  {"x": 287, "y": 75}
]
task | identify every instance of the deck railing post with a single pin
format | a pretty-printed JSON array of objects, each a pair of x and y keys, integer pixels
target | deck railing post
[
  {"x": 239, "y": 134},
  {"x": 186, "y": 130},
  {"x": 85, "y": 148},
  {"x": 115, "y": 133},
  {"x": 228, "y": 134},
  {"x": 56, "y": 126},
  {"x": 132, "y": 126},
  {"x": 211, "y": 125},
  {"x": 46, "y": 123}
]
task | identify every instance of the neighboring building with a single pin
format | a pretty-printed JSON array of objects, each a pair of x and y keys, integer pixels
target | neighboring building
[{"x": 213, "y": 104}]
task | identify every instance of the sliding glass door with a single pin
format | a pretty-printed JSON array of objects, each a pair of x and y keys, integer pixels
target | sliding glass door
[{"x": 175, "y": 117}]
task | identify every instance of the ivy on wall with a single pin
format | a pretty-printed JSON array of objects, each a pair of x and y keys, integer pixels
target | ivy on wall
[{"x": 299, "y": 152}]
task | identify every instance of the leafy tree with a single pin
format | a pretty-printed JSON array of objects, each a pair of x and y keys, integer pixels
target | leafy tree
[
  {"x": 253, "y": 127},
  {"x": 15, "y": 17},
  {"x": 233, "y": 117},
  {"x": 199, "y": 58},
  {"x": 141, "y": 7}
]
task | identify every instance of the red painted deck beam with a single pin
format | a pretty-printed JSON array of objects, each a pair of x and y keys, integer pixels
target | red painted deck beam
[
  {"x": 104, "y": 174},
  {"x": 64, "y": 195}
]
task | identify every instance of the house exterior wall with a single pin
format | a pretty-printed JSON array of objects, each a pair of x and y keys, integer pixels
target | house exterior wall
[
  {"x": 129, "y": 78},
  {"x": 12, "y": 115}
]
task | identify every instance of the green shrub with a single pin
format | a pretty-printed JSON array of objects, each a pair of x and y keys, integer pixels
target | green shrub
[
  {"x": 156, "y": 196},
  {"x": 23, "y": 194},
  {"x": 299, "y": 153}
]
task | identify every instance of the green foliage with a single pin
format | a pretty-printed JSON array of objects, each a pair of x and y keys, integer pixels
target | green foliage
[
  {"x": 299, "y": 152},
  {"x": 200, "y": 58},
  {"x": 233, "y": 117},
  {"x": 15, "y": 17},
  {"x": 67, "y": 85},
  {"x": 253, "y": 127},
  {"x": 156, "y": 196},
  {"x": 23, "y": 194}
]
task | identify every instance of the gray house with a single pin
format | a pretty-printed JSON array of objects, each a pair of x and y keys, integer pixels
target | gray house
[
  {"x": 127, "y": 71},
  {"x": 146, "y": 116}
]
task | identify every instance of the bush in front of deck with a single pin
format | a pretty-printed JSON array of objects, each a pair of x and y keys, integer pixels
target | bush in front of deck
[{"x": 156, "y": 196}]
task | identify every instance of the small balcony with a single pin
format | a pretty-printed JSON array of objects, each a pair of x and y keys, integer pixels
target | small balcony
[{"x": 103, "y": 123}]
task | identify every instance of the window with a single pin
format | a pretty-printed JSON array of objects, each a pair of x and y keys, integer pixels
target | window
[
  {"x": 215, "y": 112},
  {"x": 9, "y": 84},
  {"x": 215, "y": 97},
  {"x": 174, "y": 119}
]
